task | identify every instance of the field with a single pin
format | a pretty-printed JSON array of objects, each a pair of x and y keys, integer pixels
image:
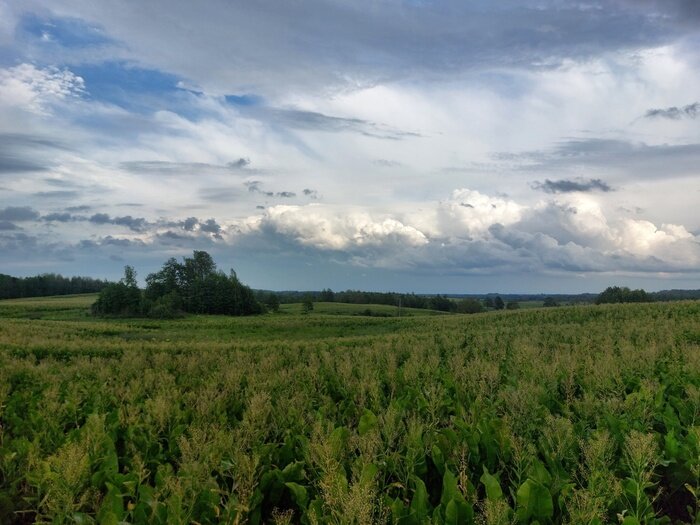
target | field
[{"x": 582, "y": 415}]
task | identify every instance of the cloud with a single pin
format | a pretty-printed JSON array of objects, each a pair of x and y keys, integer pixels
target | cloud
[
  {"x": 181, "y": 168},
  {"x": 58, "y": 217},
  {"x": 210, "y": 226},
  {"x": 569, "y": 186},
  {"x": 137, "y": 224},
  {"x": 254, "y": 186},
  {"x": 632, "y": 158},
  {"x": 18, "y": 214},
  {"x": 675, "y": 113},
  {"x": 315, "y": 121},
  {"x": 252, "y": 49},
  {"x": 23, "y": 153},
  {"x": 36, "y": 90},
  {"x": 57, "y": 194},
  {"x": 385, "y": 163},
  {"x": 8, "y": 226},
  {"x": 311, "y": 194}
]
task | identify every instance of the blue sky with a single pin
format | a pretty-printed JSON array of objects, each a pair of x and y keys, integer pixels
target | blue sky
[{"x": 447, "y": 146}]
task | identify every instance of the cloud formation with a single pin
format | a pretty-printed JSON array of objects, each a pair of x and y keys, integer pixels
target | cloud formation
[
  {"x": 675, "y": 113},
  {"x": 570, "y": 186}
]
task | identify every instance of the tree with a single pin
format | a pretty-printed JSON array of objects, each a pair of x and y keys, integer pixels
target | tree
[
  {"x": 498, "y": 303},
  {"x": 123, "y": 298},
  {"x": 488, "y": 302},
  {"x": 469, "y": 306},
  {"x": 512, "y": 305},
  {"x": 549, "y": 302},
  {"x": 327, "y": 295},
  {"x": 616, "y": 294},
  {"x": 273, "y": 302},
  {"x": 307, "y": 305}
]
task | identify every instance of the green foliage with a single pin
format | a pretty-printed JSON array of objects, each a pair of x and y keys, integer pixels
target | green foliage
[
  {"x": 307, "y": 305},
  {"x": 469, "y": 306},
  {"x": 569, "y": 415},
  {"x": 549, "y": 302},
  {"x": 498, "y": 303},
  {"x": 197, "y": 287},
  {"x": 616, "y": 294},
  {"x": 47, "y": 284},
  {"x": 121, "y": 299}
]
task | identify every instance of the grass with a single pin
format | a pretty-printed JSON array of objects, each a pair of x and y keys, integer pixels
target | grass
[{"x": 555, "y": 415}]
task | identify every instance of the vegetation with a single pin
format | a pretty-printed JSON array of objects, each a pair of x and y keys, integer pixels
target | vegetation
[
  {"x": 617, "y": 294},
  {"x": 193, "y": 286},
  {"x": 46, "y": 285},
  {"x": 584, "y": 414}
]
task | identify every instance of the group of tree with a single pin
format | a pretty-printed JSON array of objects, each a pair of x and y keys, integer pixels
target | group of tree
[
  {"x": 617, "y": 294},
  {"x": 47, "y": 284},
  {"x": 191, "y": 286}
]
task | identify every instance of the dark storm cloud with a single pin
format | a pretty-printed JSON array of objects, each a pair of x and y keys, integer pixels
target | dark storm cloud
[
  {"x": 18, "y": 213},
  {"x": 570, "y": 186},
  {"x": 675, "y": 113}
]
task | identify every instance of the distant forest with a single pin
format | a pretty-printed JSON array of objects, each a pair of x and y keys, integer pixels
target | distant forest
[
  {"x": 47, "y": 284},
  {"x": 196, "y": 286}
]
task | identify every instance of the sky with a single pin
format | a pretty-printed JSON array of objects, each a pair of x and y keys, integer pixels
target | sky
[{"x": 409, "y": 145}]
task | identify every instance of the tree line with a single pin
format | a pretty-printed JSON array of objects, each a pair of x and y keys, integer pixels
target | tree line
[
  {"x": 47, "y": 284},
  {"x": 194, "y": 285}
]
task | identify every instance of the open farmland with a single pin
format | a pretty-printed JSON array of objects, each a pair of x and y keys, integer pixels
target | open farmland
[{"x": 559, "y": 415}]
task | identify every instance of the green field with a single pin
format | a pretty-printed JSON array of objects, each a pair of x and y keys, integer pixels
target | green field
[{"x": 587, "y": 414}]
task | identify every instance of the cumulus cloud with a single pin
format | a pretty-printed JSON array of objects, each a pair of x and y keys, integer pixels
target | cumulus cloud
[
  {"x": 322, "y": 227},
  {"x": 570, "y": 186}
]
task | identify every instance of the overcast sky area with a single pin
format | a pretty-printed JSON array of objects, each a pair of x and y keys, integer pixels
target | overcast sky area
[{"x": 428, "y": 146}]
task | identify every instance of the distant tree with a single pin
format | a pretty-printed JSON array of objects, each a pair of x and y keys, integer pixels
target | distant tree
[
  {"x": 193, "y": 286},
  {"x": 47, "y": 284},
  {"x": 617, "y": 294},
  {"x": 549, "y": 302},
  {"x": 273, "y": 302},
  {"x": 307, "y": 305},
  {"x": 326, "y": 295},
  {"x": 512, "y": 305},
  {"x": 123, "y": 298},
  {"x": 498, "y": 303},
  {"x": 488, "y": 302},
  {"x": 442, "y": 303},
  {"x": 470, "y": 306}
]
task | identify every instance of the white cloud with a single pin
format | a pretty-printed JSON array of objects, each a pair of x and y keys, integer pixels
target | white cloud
[{"x": 36, "y": 89}]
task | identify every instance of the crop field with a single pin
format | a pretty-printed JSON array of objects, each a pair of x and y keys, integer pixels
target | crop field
[{"x": 581, "y": 415}]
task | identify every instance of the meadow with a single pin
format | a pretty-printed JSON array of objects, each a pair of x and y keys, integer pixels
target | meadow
[{"x": 581, "y": 415}]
